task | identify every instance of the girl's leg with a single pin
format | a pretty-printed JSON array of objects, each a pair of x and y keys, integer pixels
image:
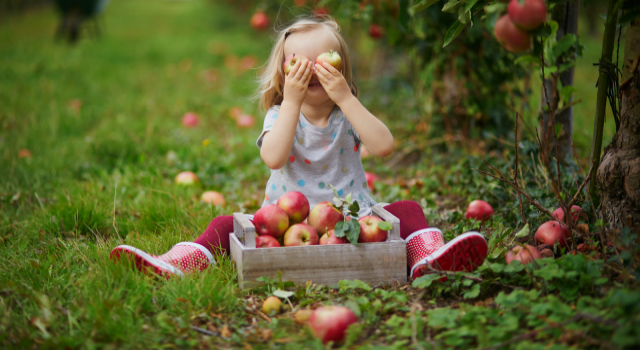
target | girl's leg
[{"x": 216, "y": 236}]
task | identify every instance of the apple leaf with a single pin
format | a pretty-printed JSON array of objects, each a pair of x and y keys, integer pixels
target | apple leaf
[
  {"x": 338, "y": 231},
  {"x": 472, "y": 293},
  {"x": 282, "y": 293},
  {"x": 524, "y": 232},
  {"x": 425, "y": 281},
  {"x": 385, "y": 226},
  {"x": 354, "y": 208},
  {"x": 353, "y": 231},
  {"x": 348, "y": 199}
]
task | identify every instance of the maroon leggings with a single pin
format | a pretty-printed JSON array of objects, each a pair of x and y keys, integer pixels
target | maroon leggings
[{"x": 216, "y": 236}]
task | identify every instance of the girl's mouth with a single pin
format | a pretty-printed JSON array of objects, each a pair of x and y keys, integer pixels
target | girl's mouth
[{"x": 314, "y": 84}]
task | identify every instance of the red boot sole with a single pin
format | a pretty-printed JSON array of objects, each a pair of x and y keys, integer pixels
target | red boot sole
[
  {"x": 145, "y": 262},
  {"x": 466, "y": 252}
]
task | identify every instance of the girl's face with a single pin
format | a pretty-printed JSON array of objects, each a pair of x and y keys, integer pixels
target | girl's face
[{"x": 311, "y": 45}]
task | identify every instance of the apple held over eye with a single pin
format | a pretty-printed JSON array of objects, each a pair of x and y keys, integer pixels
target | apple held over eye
[
  {"x": 330, "y": 323},
  {"x": 324, "y": 217},
  {"x": 300, "y": 234},
  {"x": 190, "y": 120},
  {"x": 524, "y": 254},
  {"x": 511, "y": 37},
  {"x": 527, "y": 14},
  {"x": 330, "y": 238},
  {"x": 369, "y": 230},
  {"x": 552, "y": 232},
  {"x": 291, "y": 61},
  {"x": 213, "y": 197},
  {"x": 267, "y": 242},
  {"x": 576, "y": 214},
  {"x": 271, "y": 220},
  {"x": 259, "y": 21},
  {"x": 479, "y": 210},
  {"x": 186, "y": 178},
  {"x": 296, "y": 205},
  {"x": 331, "y": 57},
  {"x": 271, "y": 306}
]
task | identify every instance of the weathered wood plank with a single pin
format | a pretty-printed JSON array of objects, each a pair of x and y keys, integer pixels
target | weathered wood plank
[
  {"x": 381, "y": 212},
  {"x": 237, "y": 255},
  {"x": 243, "y": 228}
]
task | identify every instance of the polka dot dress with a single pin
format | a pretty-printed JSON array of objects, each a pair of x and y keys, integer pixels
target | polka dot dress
[{"x": 319, "y": 157}]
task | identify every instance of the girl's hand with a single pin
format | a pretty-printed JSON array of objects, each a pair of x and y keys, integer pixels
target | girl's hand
[
  {"x": 333, "y": 82},
  {"x": 297, "y": 82}
]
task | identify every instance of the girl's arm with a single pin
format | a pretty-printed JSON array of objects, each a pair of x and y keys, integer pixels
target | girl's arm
[
  {"x": 276, "y": 145},
  {"x": 372, "y": 131}
]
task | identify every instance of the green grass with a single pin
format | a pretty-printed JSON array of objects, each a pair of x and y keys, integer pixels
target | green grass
[{"x": 99, "y": 177}]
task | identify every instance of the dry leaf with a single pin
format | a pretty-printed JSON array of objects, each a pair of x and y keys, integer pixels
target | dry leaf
[
  {"x": 265, "y": 334},
  {"x": 225, "y": 332}
]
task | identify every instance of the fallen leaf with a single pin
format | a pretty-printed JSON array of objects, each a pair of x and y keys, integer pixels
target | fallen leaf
[
  {"x": 265, "y": 334},
  {"x": 225, "y": 332},
  {"x": 284, "y": 340}
]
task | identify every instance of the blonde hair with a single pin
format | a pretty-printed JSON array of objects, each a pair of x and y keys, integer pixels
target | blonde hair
[{"x": 271, "y": 80}]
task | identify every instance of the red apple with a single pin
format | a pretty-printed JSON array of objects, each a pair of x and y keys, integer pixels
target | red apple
[
  {"x": 552, "y": 232},
  {"x": 330, "y": 238},
  {"x": 331, "y": 57},
  {"x": 235, "y": 112},
  {"x": 479, "y": 210},
  {"x": 324, "y": 217},
  {"x": 320, "y": 12},
  {"x": 259, "y": 21},
  {"x": 213, "y": 197},
  {"x": 186, "y": 178},
  {"x": 271, "y": 306},
  {"x": 24, "y": 153},
  {"x": 330, "y": 323},
  {"x": 371, "y": 180},
  {"x": 369, "y": 230},
  {"x": 291, "y": 60},
  {"x": 375, "y": 31},
  {"x": 528, "y": 15},
  {"x": 271, "y": 220},
  {"x": 299, "y": 3},
  {"x": 524, "y": 254},
  {"x": 267, "y": 242},
  {"x": 576, "y": 213},
  {"x": 190, "y": 120},
  {"x": 246, "y": 121},
  {"x": 300, "y": 234},
  {"x": 296, "y": 205},
  {"x": 511, "y": 37}
]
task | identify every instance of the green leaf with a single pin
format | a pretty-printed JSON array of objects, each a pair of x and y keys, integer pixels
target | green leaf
[
  {"x": 355, "y": 284},
  {"x": 338, "y": 231},
  {"x": 283, "y": 294},
  {"x": 422, "y": 5},
  {"x": 472, "y": 293},
  {"x": 469, "y": 5},
  {"x": 563, "y": 44},
  {"x": 524, "y": 232},
  {"x": 348, "y": 198},
  {"x": 354, "y": 208},
  {"x": 385, "y": 226},
  {"x": 566, "y": 93},
  {"x": 453, "y": 32},
  {"x": 527, "y": 59},
  {"x": 496, "y": 7},
  {"x": 496, "y": 253},
  {"x": 550, "y": 70},
  {"x": 354, "y": 231},
  {"x": 451, "y": 6},
  {"x": 425, "y": 281}
]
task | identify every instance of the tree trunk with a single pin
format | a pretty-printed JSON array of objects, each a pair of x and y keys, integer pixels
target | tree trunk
[
  {"x": 567, "y": 17},
  {"x": 618, "y": 175}
]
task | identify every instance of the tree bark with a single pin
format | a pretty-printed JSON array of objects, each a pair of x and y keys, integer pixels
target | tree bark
[
  {"x": 567, "y": 17},
  {"x": 618, "y": 175}
]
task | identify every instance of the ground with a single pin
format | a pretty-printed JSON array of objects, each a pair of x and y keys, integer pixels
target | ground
[{"x": 99, "y": 120}]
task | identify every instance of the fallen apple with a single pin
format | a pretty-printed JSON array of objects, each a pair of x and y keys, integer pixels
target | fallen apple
[
  {"x": 552, "y": 232},
  {"x": 259, "y": 21},
  {"x": 187, "y": 178},
  {"x": 246, "y": 121},
  {"x": 291, "y": 61},
  {"x": 330, "y": 238},
  {"x": 511, "y": 37},
  {"x": 375, "y": 31},
  {"x": 320, "y": 12},
  {"x": 369, "y": 230},
  {"x": 524, "y": 254},
  {"x": 300, "y": 234},
  {"x": 213, "y": 197},
  {"x": 271, "y": 306},
  {"x": 235, "y": 112},
  {"x": 576, "y": 213},
  {"x": 371, "y": 180},
  {"x": 324, "y": 217},
  {"x": 296, "y": 205},
  {"x": 190, "y": 120},
  {"x": 527, "y": 14},
  {"x": 24, "y": 153},
  {"x": 330, "y": 323},
  {"x": 267, "y": 242},
  {"x": 331, "y": 57},
  {"x": 479, "y": 210},
  {"x": 302, "y": 316},
  {"x": 271, "y": 220}
]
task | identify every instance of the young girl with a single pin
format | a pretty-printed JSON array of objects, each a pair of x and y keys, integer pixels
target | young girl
[{"x": 311, "y": 139}]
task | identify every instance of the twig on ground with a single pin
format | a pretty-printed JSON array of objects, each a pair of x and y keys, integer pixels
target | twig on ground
[
  {"x": 515, "y": 172},
  {"x": 115, "y": 192},
  {"x": 203, "y": 331}
]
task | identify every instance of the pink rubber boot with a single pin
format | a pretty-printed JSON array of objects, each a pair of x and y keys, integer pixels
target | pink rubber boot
[{"x": 184, "y": 258}]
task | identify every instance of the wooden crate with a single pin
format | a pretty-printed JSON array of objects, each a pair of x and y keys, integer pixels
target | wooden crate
[{"x": 375, "y": 263}]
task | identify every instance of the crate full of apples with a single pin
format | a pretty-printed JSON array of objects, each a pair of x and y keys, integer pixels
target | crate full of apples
[{"x": 324, "y": 245}]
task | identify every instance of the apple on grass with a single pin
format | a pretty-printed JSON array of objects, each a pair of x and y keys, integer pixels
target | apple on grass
[
  {"x": 479, "y": 210},
  {"x": 186, "y": 178},
  {"x": 267, "y": 242},
  {"x": 245, "y": 121},
  {"x": 300, "y": 234},
  {"x": 324, "y": 217},
  {"x": 330, "y": 323},
  {"x": 296, "y": 205},
  {"x": 213, "y": 197},
  {"x": 375, "y": 31},
  {"x": 524, "y": 254},
  {"x": 330, "y": 238},
  {"x": 291, "y": 61},
  {"x": 552, "y": 232},
  {"x": 511, "y": 37},
  {"x": 331, "y": 57},
  {"x": 527, "y": 14},
  {"x": 302, "y": 316},
  {"x": 259, "y": 21},
  {"x": 271, "y": 220},
  {"x": 576, "y": 213},
  {"x": 190, "y": 120},
  {"x": 370, "y": 231},
  {"x": 271, "y": 306}
]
